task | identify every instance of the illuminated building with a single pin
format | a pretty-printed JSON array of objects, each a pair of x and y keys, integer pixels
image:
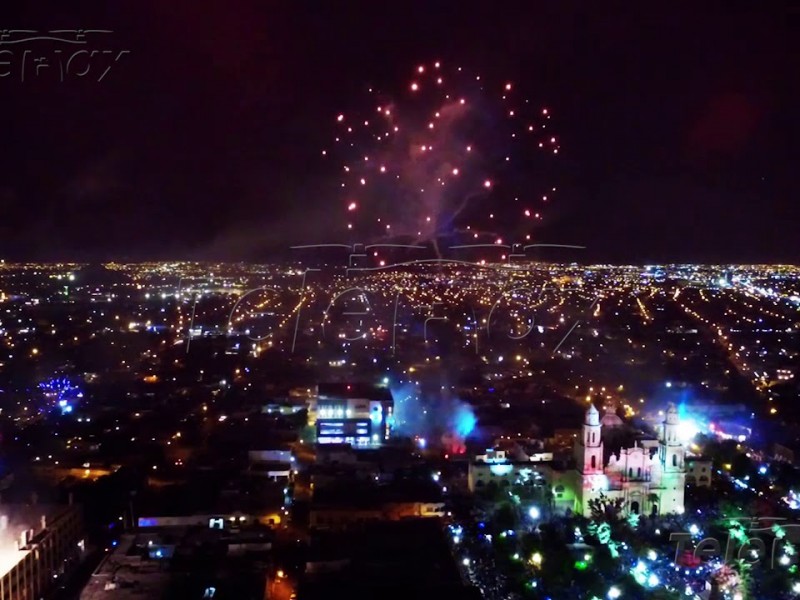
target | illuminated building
[
  {"x": 275, "y": 465},
  {"x": 36, "y": 543},
  {"x": 698, "y": 471},
  {"x": 352, "y": 414},
  {"x": 650, "y": 478},
  {"x": 496, "y": 468},
  {"x": 212, "y": 520}
]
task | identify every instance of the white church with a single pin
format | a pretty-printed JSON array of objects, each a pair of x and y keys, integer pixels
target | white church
[{"x": 650, "y": 477}]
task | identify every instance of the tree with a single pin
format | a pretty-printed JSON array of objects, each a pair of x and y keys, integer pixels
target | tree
[
  {"x": 492, "y": 490},
  {"x": 606, "y": 509},
  {"x": 557, "y": 568},
  {"x": 741, "y": 465},
  {"x": 505, "y": 517}
]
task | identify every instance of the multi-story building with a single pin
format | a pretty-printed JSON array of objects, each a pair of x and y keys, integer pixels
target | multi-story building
[
  {"x": 38, "y": 543},
  {"x": 351, "y": 414},
  {"x": 698, "y": 471},
  {"x": 650, "y": 477},
  {"x": 495, "y": 468},
  {"x": 650, "y": 480}
]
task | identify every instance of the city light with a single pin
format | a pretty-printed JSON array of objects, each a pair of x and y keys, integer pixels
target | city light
[
  {"x": 304, "y": 291},
  {"x": 688, "y": 430}
]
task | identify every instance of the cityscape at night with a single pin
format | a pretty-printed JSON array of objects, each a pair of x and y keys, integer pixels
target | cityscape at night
[{"x": 430, "y": 301}]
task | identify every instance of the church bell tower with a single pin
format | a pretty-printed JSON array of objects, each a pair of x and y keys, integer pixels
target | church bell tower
[{"x": 589, "y": 451}]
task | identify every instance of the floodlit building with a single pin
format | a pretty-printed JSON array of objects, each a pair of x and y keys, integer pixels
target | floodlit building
[
  {"x": 353, "y": 414},
  {"x": 37, "y": 544},
  {"x": 496, "y": 468},
  {"x": 275, "y": 465},
  {"x": 650, "y": 480},
  {"x": 698, "y": 471},
  {"x": 650, "y": 476}
]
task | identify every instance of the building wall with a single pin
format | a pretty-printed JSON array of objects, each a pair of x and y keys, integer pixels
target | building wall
[
  {"x": 480, "y": 475},
  {"x": 227, "y": 520},
  {"x": 45, "y": 554},
  {"x": 566, "y": 495},
  {"x": 649, "y": 478},
  {"x": 648, "y": 482},
  {"x": 328, "y": 518},
  {"x": 343, "y": 518},
  {"x": 698, "y": 472}
]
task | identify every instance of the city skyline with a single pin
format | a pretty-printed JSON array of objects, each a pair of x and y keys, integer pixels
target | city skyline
[{"x": 479, "y": 300}]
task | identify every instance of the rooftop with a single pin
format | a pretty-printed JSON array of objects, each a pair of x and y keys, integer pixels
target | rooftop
[
  {"x": 15, "y": 520},
  {"x": 124, "y": 574},
  {"x": 353, "y": 390},
  {"x": 181, "y": 562}
]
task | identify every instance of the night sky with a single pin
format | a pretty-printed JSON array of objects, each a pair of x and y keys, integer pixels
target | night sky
[{"x": 678, "y": 126}]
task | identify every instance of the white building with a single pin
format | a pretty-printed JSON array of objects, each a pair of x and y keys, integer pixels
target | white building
[
  {"x": 698, "y": 471},
  {"x": 496, "y": 468},
  {"x": 650, "y": 480}
]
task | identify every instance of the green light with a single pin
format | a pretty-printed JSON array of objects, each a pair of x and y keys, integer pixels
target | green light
[
  {"x": 581, "y": 565},
  {"x": 633, "y": 520}
]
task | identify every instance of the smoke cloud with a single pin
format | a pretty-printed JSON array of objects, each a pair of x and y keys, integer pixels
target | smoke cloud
[{"x": 436, "y": 418}]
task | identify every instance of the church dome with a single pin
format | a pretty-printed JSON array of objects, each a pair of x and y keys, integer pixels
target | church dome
[{"x": 611, "y": 419}]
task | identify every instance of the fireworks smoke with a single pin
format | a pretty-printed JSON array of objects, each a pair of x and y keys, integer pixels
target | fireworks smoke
[
  {"x": 447, "y": 153},
  {"x": 445, "y": 419}
]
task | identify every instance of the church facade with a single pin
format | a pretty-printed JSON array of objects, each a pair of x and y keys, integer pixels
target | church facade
[{"x": 650, "y": 478}]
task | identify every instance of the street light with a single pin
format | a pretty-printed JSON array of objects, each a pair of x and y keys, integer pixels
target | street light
[
  {"x": 534, "y": 513},
  {"x": 614, "y": 592}
]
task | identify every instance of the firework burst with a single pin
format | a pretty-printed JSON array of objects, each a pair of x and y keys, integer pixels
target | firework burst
[{"x": 446, "y": 154}]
